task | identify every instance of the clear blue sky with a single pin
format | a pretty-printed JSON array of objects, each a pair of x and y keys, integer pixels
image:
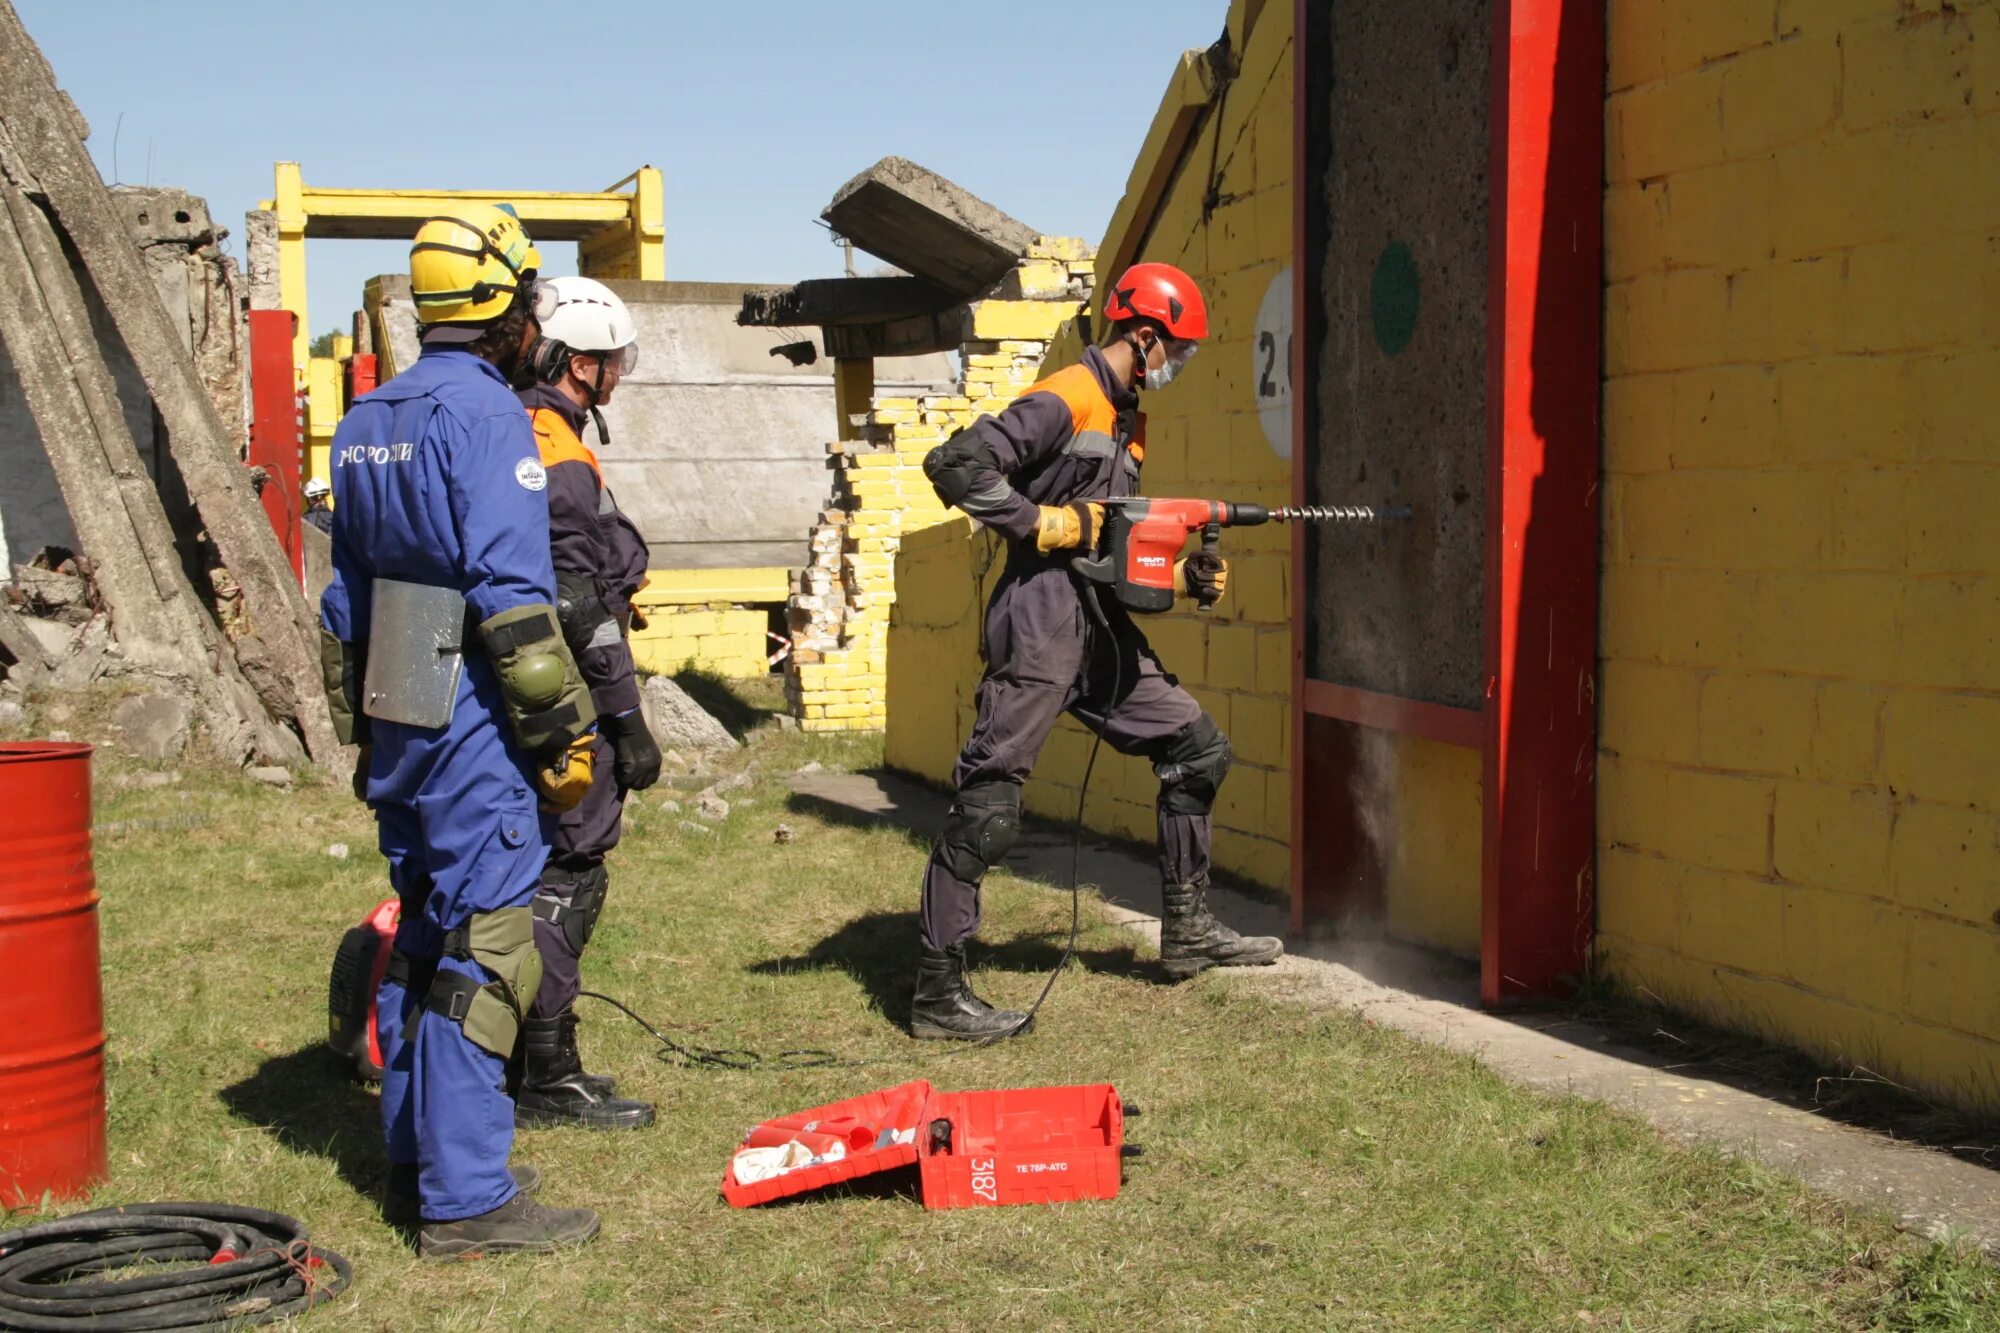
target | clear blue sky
[{"x": 755, "y": 110}]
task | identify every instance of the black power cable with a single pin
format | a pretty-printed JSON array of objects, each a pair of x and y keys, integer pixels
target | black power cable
[
  {"x": 249, "y": 1267},
  {"x": 743, "y": 1059}
]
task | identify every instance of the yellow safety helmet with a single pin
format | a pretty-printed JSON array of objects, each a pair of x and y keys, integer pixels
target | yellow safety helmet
[{"x": 466, "y": 266}]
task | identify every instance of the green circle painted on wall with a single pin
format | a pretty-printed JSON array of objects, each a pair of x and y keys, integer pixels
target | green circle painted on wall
[{"x": 1392, "y": 298}]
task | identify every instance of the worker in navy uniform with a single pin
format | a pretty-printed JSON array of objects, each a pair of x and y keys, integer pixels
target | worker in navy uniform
[
  {"x": 1037, "y": 473},
  {"x": 445, "y": 660},
  {"x": 588, "y": 343},
  {"x": 319, "y": 507}
]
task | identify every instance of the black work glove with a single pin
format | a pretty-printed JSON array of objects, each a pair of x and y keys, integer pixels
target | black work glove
[
  {"x": 635, "y": 756},
  {"x": 1206, "y": 574}
]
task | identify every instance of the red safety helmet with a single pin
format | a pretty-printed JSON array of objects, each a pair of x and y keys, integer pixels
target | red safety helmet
[{"x": 1159, "y": 292}]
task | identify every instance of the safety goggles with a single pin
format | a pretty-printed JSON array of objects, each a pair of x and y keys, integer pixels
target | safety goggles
[{"x": 543, "y": 298}]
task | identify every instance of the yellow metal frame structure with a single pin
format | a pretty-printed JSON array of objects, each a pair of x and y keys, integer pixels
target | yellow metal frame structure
[{"x": 621, "y": 232}]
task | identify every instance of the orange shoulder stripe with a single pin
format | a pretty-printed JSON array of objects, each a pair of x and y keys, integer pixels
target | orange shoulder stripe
[
  {"x": 557, "y": 443},
  {"x": 1089, "y": 409}
]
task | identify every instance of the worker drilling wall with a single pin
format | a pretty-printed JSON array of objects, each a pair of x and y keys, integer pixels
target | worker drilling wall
[
  {"x": 1211, "y": 192},
  {"x": 1799, "y": 815},
  {"x": 840, "y": 605}
]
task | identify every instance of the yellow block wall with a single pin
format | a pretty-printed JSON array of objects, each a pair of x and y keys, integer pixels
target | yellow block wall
[
  {"x": 1799, "y": 794},
  {"x": 711, "y": 620}
]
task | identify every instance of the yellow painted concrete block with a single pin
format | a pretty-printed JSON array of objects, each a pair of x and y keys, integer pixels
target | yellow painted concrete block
[
  {"x": 1639, "y": 898},
  {"x": 1274, "y": 662},
  {"x": 1910, "y": 293},
  {"x": 1069, "y": 249},
  {"x": 1946, "y": 860},
  {"x": 1705, "y": 819},
  {"x": 1019, "y": 320},
  {"x": 1232, "y": 658},
  {"x": 1679, "y": 320},
  {"x": 1257, "y": 588},
  {"x": 1691, "y": 36},
  {"x": 1758, "y": 723},
  {"x": 1721, "y": 215},
  {"x": 1832, "y": 624},
  {"x": 1871, "y": 518},
  {"x": 1434, "y": 853},
  {"x": 1733, "y": 920},
  {"x": 1952, "y": 519},
  {"x": 1664, "y": 127},
  {"x": 1940, "y": 747},
  {"x": 1951, "y": 631},
  {"x": 1833, "y": 837},
  {"x": 1839, "y": 190},
  {"x": 1260, "y": 729},
  {"x": 1650, "y": 712},
  {"x": 1901, "y": 73},
  {"x": 1847, "y": 732},
  {"x": 1778, "y": 94},
  {"x": 1857, "y": 949},
  {"x": 1258, "y": 859},
  {"x": 1951, "y": 976}
]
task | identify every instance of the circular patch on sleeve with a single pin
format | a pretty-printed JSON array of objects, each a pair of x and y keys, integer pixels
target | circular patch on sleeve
[{"x": 531, "y": 474}]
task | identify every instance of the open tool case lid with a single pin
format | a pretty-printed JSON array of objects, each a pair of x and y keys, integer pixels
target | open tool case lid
[{"x": 975, "y": 1149}]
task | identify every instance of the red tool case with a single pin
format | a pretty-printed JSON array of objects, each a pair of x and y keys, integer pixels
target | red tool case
[{"x": 1022, "y": 1145}]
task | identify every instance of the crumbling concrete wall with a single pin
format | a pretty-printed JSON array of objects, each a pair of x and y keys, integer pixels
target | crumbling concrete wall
[{"x": 200, "y": 287}]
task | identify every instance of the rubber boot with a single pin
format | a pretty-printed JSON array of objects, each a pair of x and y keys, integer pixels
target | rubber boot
[
  {"x": 400, "y": 1206},
  {"x": 553, "y": 1088},
  {"x": 944, "y": 1007},
  {"x": 518, "y": 1226},
  {"x": 1191, "y": 939}
]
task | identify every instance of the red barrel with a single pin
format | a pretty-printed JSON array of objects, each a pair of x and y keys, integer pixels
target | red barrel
[{"x": 51, "y": 1002}]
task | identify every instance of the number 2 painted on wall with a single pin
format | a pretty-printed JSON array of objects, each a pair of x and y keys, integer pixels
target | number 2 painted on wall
[{"x": 1267, "y": 345}]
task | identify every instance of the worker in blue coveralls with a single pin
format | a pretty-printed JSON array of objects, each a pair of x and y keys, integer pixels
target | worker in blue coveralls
[{"x": 445, "y": 661}]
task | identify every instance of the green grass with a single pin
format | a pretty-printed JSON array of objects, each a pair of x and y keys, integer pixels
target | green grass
[{"x": 1301, "y": 1168}]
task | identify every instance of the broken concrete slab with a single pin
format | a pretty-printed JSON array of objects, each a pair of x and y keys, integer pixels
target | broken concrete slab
[
  {"x": 929, "y": 227},
  {"x": 676, "y": 720},
  {"x": 152, "y": 726},
  {"x": 839, "y": 301}
]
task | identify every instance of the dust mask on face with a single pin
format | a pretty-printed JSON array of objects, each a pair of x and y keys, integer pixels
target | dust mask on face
[{"x": 1177, "y": 358}]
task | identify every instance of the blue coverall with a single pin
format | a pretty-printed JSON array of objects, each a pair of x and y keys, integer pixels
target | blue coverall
[{"x": 440, "y": 483}]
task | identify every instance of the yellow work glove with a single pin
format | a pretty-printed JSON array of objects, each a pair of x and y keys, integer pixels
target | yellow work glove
[
  {"x": 1064, "y": 527},
  {"x": 1205, "y": 576},
  {"x": 566, "y": 779}
]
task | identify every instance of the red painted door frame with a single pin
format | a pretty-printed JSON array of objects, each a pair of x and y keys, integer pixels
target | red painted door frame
[{"x": 1537, "y": 729}]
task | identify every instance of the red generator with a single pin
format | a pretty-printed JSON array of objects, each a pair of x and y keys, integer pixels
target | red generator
[{"x": 972, "y": 1149}]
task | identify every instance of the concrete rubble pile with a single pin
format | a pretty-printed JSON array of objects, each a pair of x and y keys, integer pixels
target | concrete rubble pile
[
  {"x": 982, "y": 284},
  {"x": 120, "y": 325}
]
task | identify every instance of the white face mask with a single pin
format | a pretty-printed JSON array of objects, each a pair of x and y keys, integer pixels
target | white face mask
[{"x": 1178, "y": 355}]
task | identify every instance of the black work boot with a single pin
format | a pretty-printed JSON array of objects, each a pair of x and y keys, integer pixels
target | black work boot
[
  {"x": 400, "y": 1206},
  {"x": 555, "y": 1090},
  {"x": 1191, "y": 939},
  {"x": 518, "y": 1226},
  {"x": 944, "y": 1006}
]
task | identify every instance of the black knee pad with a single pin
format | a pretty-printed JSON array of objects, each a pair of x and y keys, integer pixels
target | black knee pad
[
  {"x": 570, "y": 900},
  {"x": 1191, "y": 768},
  {"x": 983, "y": 824}
]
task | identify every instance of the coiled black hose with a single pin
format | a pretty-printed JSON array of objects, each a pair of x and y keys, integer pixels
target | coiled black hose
[{"x": 250, "y": 1267}]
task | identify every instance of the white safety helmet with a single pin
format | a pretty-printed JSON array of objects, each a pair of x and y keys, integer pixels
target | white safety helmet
[
  {"x": 588, "y": 317},
  {"x": 316, "y": 487}
]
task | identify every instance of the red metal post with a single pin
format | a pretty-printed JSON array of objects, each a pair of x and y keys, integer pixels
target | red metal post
[
  {"x": 1539, "y": 848},
  {"x": 1302, "y": 291},
  {"x": 361, "y": 376},
  {"x": 275, "y": 433}
]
